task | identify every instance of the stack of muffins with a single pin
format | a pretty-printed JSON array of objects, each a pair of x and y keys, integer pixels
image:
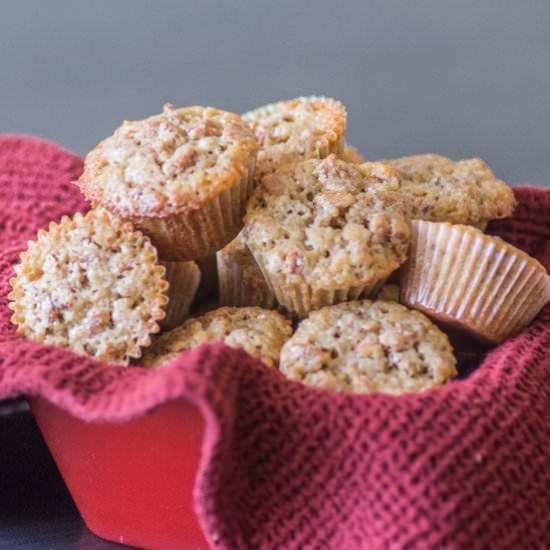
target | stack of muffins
[{"x": 310, "y": 248}]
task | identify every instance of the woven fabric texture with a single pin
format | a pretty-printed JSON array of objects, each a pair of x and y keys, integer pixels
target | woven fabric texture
[{"x": 285, "y": 466}]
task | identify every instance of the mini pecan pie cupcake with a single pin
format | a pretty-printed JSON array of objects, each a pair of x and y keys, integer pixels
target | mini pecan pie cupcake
[
  {"x": 259, "y": 332},
  {"x": 91, "y": 284},
  {"x": 444, "y": 190},
  {"x": 241, "y": 281},
  {"x": 351, "y": 154},
  {"x": 464, "y": 278},
  {"x": 368, "y": 347},
  {"x": 325, "y": 231},
  {"x": 182, "y": 177},
  {"x": 184, "y": 279},
  {"x": 297, "y": 129}
]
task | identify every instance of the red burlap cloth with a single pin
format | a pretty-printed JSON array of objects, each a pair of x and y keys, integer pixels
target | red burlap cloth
[{"x": 285, "y": 466}]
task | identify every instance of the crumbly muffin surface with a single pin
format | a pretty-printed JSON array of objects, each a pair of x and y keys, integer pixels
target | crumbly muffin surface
[
  {"x": 259, "y": 332},
  {"x": 444, "y": 190},
  {"x": 329, "y": 223},
  {"x": 367, "y": 346},
  {"x": 298, "y": 129},
  {"x": 91, "y": 284},
  {"x": 169, "y": 162}
]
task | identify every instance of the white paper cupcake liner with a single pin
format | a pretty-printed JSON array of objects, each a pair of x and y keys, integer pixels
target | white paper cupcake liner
[
  {"x": 299, "y": 298},
  {"x": 196, "y": 233},
  {"x": 460, "y": 276},
  {"x": 240, "y": 288},
  {"x": 183, "y": 278}
]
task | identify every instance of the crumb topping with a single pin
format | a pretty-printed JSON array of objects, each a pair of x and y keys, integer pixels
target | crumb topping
[
  {"x": 258, "y": 331},
  {"x": 91, "y": 284},
  {"x": 329, "y": 223},
  {"x": 444, "y": 190},
  {"x": 368, "y": 346},
  {"x": 169, "y": 162},
  {"x": 298, "y": 129}
]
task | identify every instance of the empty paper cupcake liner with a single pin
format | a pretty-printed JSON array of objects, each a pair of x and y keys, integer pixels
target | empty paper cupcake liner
[{"x": 462, "y": 277}]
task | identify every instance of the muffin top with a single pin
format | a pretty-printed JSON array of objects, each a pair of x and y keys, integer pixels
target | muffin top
[
  {"x": 329, "y": 223},
  {"x": 258, "y": 331},
  {"x": 464, "y": 191},
  {"x": 169, "y": 163},
  {"x": 367, "y": 346},
  {"x": 297, "y": 129},
  {"x": 91, "y": 284}
]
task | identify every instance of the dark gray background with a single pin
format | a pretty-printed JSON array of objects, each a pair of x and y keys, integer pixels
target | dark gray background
[{"x": 462, "y": 78}]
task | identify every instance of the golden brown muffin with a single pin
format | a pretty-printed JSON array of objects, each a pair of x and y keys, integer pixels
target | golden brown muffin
[
  {"x": 91, "y": 284},
  {"x": 259, "y": 332},
  {"x": 368, "y": 347},
  {"x": 297, "y": 129},
  {"x": 325, "y": 231},
  {"x": 241, "y": 281},
  {"x": 460, "y": 276},
  {"x": 444, "y": 190},
  {"x": 182, "y": 177}
]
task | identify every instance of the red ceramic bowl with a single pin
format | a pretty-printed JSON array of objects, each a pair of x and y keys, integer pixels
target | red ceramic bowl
[{"x": 121, "y": 475}]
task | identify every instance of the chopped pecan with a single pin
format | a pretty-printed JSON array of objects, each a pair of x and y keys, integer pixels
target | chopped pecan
[
  {"x": 338, "y": 199},
  {"x": 206, "y": 128},
  {"x": 294, "y": 262},
  {"x": 187, "y": 159},
  {"x": 327, "y": 167},
  {"x": 273, "y": 185},
  {"x": 370, "y": 349},
  {"x": 99, "y": 321}
]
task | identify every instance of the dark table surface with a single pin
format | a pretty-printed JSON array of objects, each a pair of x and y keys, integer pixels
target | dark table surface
[{"x": 36, "y": 510}]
